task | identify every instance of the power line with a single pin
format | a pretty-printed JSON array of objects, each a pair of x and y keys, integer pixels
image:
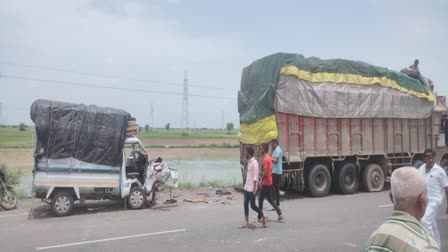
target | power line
[
  {"x": 103, "y": 76},
  {"x": 88, "y": 85}
]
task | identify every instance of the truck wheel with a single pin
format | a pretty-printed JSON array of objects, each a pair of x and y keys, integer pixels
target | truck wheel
[
  {"x": 417, "y": 163},
  {"x": 373, "y": 178},
  {"x": 347, "y": 178},
  {"x": 136, "y": 198},
  {"x": 444, "y": 164},
  {"x": 319, "y": 180},
  {"x": 62, "y": 204}
]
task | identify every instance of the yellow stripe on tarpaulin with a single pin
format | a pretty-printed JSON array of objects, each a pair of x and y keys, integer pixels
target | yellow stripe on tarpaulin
[
  {"x": 262, "y": 131},
  {"x": 351, "y": 79},
  {"x": 80, "y": 183}
]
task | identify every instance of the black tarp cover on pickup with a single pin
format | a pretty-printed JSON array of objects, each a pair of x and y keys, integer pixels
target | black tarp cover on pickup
[{"x": 86, "y": 132}]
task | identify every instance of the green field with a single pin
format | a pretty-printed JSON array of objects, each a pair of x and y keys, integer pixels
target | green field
[
  {"x": 11, "y": 137},
  {"x": 192, "y": 133}
]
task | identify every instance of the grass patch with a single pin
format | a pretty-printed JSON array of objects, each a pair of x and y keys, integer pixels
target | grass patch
[
  {"x": 21, "y": 194},
  {"x": 11, "y": 177},
  {"x": 204, "y": 146},
  {"x": 211, "y": 183},
  {"x": 193, "y": 133},
  {"x": 13, "y": 138},
  {"x": 186, "y": 185},
  {"x": 215, "y": 183}
]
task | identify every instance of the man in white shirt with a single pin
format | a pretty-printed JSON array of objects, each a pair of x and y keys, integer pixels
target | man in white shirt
[{"x": 437, "y": 182}]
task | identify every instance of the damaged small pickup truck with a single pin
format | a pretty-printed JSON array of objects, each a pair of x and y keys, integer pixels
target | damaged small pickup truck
[{"x": 87, "y": 152}]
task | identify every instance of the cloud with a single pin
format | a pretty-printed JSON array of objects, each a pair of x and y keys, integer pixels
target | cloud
[{"x": 121, "y": 38}]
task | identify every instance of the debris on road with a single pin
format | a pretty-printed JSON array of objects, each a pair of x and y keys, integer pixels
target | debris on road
[
  {"x": 196, "y": 201},
  {"x": 170, "y": 201},
  {"x": 223, "y": 192}
]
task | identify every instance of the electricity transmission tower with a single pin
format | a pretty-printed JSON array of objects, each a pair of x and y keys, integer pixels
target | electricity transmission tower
[
  {"x": 1, "y": 114},
  {"x": 185, "y": 122},
  {"x": 151, "y": 111},
  {"x": 222, "y": 120}
]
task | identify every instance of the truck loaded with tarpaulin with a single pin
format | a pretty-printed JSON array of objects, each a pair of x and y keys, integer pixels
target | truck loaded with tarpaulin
[
  {"x": 91, "y": 152},
  {"x": 78, "y": 133},
  {"x": 338, "y": 121}
]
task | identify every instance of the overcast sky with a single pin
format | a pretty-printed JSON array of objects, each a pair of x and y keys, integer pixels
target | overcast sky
[{"x": 148, "y": 45}]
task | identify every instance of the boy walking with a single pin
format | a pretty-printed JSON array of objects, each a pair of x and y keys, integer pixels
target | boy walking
[{"x": 250, "y": 189}]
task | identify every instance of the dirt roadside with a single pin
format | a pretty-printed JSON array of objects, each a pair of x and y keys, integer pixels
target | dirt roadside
[{"x": 195, "y": 197}]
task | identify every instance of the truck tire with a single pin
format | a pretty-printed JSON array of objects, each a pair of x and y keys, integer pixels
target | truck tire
[
  {"x": 136, "y": 198},
  {"x": 347, "y": 179},
  {"x": 373, "y": 178},
  {"x": 319, "y": 180},
  {"x": 62, "y": 204},
  {"x": 417, "y": 163}
]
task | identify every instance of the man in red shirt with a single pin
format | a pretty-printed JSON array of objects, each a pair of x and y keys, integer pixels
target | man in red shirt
[{"x": 266, "y": 183}]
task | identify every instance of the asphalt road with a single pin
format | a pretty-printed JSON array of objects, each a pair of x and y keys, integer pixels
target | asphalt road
[{"x": 333, "y": 223}]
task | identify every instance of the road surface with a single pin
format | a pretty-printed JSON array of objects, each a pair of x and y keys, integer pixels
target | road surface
[{"x": 333, "y": 223}]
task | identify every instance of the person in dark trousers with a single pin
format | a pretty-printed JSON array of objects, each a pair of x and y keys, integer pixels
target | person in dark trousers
[
  {"x": 277, "y": 169},
  {"x": 250, "y": 189},
  {"x": 266, "y": 183},
  {"x": 444, "y": 127}
]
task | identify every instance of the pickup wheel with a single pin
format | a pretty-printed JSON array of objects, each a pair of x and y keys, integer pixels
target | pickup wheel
[
  {"x": 137, "y": 198},
  {"x": 319, "y": 180},
  {"x": 62, "y": 204},
  {"x": 373, "y": 178},
  {"x": 347, "y": 179}
]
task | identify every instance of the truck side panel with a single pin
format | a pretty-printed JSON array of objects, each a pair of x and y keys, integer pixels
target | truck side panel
[
  {"x": 316, "y": 137},
  {"x": 85, "y": 182}
]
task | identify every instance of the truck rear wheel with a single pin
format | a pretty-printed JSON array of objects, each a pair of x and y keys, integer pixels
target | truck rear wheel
[
  {"x": 347, "y": 180},
  {"x": 62, "y": 204},
  {"x": 373, "y": 178},
  {"x": 137, "y": 198},
  {"x": 319, "y": 180}
]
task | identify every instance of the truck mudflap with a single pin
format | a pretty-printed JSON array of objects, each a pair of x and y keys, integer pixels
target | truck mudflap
[{"x": 293, "y": 180}]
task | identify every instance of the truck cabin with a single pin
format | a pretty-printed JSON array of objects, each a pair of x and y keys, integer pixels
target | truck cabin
[{"x": 138, "y": 159}]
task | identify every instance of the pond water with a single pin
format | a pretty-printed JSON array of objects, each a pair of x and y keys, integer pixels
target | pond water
[{"x": 203, "y": 172}]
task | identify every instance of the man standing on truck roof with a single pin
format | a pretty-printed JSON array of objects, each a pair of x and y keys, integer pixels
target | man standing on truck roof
[
  {"x": 403, "y": 232},
  {"x": 266, "y": 182},
  {"x": 277, "y": 169},
  {"x": 437, "y": 182},
  {"x": 250, "y": 188}
]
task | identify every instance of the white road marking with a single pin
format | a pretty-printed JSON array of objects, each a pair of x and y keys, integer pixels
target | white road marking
[
  {"x": 110, "y": 239},
  {"x": 388, "y": 205},
  {"x": 13, "y": 215},
  {"x": 350, "y": 244}
]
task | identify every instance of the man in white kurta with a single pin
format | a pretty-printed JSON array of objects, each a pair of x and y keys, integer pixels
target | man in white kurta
[{"x": 437, "y": 183}]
